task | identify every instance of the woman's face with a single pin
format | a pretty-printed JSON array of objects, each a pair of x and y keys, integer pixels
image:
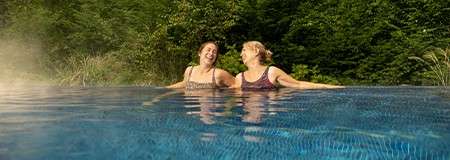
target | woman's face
[
  {"x": 248, "y": 54},
  {"x": 208, "y": 54}
]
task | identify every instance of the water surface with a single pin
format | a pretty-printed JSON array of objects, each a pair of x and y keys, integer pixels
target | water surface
[{"x": 156, "y": 123}]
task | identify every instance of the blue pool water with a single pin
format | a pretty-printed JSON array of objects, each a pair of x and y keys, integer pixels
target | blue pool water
[{"x": 155, "y": 123}]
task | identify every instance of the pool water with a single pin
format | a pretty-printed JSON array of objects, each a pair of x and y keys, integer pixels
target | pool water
[{"x": 157, "y": 123}]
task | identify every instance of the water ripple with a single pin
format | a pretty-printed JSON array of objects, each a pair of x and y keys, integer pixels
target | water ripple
[{"x": 156, "y": 123}]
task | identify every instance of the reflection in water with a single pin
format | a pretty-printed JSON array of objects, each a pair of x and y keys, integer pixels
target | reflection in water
[
  {"x": 209, "y": 104},
  {"x": 444, "y": 93},
  {"x": 257, "y": 104},
  {"x": 215, "y": 107},
  {"x": 106, "y": 123}
]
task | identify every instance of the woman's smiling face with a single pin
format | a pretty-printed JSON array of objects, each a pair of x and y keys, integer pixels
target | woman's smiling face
[
  {"x": 247, "y": 54},
  {"x": 208, "y": 54}
]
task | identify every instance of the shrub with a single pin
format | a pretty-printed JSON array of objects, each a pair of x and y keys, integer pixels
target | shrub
[
  {"x": 231, "y": 61},
  {"x": 303, "y": 72},
  {"x": 438, "y": 62}
]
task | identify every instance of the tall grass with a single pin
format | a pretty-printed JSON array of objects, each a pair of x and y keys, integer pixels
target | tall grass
[
  {"x": 438, "y": 61},
  {"x": 89, "y": 71}
]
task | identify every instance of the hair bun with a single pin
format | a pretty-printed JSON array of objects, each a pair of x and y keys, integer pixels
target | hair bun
[
  {"x": 269, "y": 55},
  {"x": 265, "y": 55}
]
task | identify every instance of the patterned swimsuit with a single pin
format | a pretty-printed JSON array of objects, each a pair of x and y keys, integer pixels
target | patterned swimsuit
[
  {"x": 263, "y": 83},
  {"x": 199, "y": 85}
]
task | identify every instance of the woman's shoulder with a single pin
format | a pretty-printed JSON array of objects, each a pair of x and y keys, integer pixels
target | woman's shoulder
[
  {"x": 220, "y": 71},
  {"x": 273, "y": 69},
  {"x": 239, "y": 75},
  {"x": 276, "y": 72},
  {"x": 188, "y": 69}
]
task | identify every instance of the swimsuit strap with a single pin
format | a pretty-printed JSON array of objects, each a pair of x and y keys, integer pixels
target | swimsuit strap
[
  {"x": 190, "y": 72},
  {"x": 262, "y": 76},
  {"x": 263, "y": 83},
  {"x": 243, "y": 78},
  {"x": 266, "y": 72},
  {"x": 213, "y": 79}
]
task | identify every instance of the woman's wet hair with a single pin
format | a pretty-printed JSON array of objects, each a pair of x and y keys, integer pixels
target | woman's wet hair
[
  {"x": 203, "y": 45},
  {"x": 264, "y": 54}
]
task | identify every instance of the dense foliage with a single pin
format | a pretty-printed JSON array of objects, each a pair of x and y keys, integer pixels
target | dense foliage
[{"x": 107, "y": 42}]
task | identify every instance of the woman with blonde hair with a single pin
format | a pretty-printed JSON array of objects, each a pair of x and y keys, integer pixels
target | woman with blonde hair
[
  {"x": 205, "y": 75},
  {"x": 262, "y": 77}
]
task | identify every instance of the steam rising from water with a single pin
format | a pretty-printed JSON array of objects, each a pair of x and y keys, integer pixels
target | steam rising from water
[{"x": 19, "y": 63}]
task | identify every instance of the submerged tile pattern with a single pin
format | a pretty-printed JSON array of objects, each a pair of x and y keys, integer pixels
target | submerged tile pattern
[{"x": 155, "y": 123}]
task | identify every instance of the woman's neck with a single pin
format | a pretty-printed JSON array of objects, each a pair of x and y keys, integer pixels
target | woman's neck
[
  {"x": 255, "y": 65},
  {"x": 204, "y": 68}
]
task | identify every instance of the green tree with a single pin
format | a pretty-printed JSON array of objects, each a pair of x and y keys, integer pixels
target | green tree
[{"x": 152, "y": 42}]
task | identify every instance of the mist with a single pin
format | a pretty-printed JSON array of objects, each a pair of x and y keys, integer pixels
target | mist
[{"x": 20, "y": 63}]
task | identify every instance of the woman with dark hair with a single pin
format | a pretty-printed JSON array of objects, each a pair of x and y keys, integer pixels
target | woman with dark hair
[
  {"x": 262, "y": 77},
  {"x": 205, "y": 75}
]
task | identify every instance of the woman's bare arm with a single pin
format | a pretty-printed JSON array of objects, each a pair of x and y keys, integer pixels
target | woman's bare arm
[
  {"x": 181, "y": 84},
  {"x": 287, "y": 81},
  {"x": 237, "y": 81},
  {"x": 225, "y": 78}
]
